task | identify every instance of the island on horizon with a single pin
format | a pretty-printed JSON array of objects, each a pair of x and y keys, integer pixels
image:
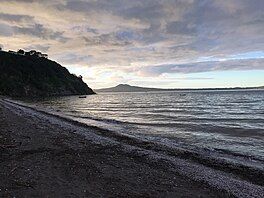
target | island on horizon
[{"x": 130, "y": 88}]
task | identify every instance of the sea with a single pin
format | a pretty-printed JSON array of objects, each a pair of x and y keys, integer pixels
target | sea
[{"x": 226, "y": 125}]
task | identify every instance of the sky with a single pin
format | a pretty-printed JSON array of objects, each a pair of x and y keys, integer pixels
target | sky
[{"x": 152, "y": 43}]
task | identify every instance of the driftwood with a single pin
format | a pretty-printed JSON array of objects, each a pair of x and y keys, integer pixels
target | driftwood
[{"x": 13, "y": 170}]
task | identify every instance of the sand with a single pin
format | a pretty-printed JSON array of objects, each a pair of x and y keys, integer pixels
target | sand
[{"x": 43, "y": 156}]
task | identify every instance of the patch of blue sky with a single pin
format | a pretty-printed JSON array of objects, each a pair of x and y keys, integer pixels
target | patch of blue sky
[
  {"x": 249, "y": 78},
  {"x": 241, "y": 56}
]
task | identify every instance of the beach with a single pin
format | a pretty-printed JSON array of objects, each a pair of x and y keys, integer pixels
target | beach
[{"x": 47, "y": 156}]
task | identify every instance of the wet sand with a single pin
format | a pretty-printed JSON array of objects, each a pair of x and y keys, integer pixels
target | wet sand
[{"x": 42, "y": 156}]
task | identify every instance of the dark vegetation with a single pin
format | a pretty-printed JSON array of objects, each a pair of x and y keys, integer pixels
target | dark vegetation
[{"x": 31, "y": 74}]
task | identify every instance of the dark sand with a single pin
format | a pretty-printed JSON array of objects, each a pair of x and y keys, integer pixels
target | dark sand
[{"x": 41, "y": 159}]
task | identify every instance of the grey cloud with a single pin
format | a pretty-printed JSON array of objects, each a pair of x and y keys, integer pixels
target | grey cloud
[
  {"x": 212, "y": 23},
  {"x": 250, "y": 64},
  {"x": 148, "y": 11},
  {"x": 178, "y": 27},
  {"x": 113, "y": 39},
  {"x": 84, "y": 29},
  {"x": 29, "y": 1},
  {"x": 113, "y": 6},
  {"x": 92, "y": 30},
  {"x": 226, "y": 26},
  {"x": 26, "y": 1},
  {"x": 15, "y": 18},
  {"x": 38, "y": 30},
  {"x": 17, "y": 26},
  {"x": 5, "y": 30}
]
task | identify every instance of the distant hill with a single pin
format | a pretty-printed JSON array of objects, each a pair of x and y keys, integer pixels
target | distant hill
[
  {"x": 33, "y": 76},
  {"x": 129, "y": 88}
]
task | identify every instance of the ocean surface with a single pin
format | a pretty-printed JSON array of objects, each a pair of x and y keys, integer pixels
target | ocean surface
[{"x": 225, "y": 124}]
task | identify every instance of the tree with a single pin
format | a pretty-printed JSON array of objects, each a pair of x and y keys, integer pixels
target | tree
[{"x": 21, "y": 52}]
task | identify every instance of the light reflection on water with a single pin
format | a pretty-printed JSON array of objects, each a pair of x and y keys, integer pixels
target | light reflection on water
[{"x": 229, "y": 120}]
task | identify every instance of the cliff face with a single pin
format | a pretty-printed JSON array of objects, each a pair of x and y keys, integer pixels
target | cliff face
[{"x": 29, "y": 76}]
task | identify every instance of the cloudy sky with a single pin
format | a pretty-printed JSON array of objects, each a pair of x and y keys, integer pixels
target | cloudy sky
[{"x": 153, "y": 43}]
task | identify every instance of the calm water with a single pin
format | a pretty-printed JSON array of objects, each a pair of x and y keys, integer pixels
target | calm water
[{"x": 226, "y": 121}]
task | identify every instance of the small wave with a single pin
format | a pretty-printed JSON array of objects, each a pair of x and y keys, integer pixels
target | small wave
[{"x": 111, "y": 121}]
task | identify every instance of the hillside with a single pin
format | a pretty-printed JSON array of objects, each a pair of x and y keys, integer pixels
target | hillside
[
  {"x": 129, "y": 88},
  {"x": 126, "y": 88},
  {"x": 24, "y": 76}
]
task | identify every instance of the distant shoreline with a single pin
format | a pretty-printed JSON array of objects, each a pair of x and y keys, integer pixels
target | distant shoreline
[{"x": 129, "y": 88}]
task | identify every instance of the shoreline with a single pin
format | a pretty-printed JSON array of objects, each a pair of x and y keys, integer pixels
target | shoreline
[{"x": 112, "y": 156}]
